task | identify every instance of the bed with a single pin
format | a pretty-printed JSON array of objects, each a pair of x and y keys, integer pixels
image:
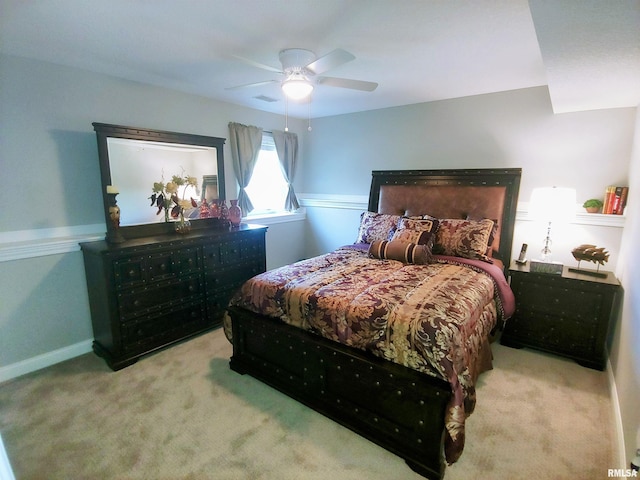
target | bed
[{"x": 388, "y": 336}]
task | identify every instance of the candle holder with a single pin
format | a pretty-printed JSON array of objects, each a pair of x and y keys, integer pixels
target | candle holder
[{"x": 113, "y": 224}]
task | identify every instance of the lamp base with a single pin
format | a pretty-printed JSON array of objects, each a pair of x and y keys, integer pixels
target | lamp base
[{"x": 541, "y": 266}]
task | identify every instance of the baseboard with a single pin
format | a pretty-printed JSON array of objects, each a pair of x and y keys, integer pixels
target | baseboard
[
  {"x": 45, "y": 360},
  {"x": 618, "y": 437}
]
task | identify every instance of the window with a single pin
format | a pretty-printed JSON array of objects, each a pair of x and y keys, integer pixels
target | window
[{"x": 267, "y": 189}]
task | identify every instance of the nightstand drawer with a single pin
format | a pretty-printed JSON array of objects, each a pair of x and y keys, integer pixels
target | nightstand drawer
[
  {"x": 556, "y": 333},
  {"x": 555, "y": 298},
  {"x": 568, "y": 314}
]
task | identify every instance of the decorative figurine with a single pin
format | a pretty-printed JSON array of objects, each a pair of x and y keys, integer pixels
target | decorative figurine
[{"x": 590, "y": 253}]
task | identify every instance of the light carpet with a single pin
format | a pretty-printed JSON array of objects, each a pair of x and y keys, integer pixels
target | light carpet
[{"x": 183, "y": 414}]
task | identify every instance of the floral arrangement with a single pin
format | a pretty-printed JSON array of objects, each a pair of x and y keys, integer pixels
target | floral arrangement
[{"x": 166, "y": 196}]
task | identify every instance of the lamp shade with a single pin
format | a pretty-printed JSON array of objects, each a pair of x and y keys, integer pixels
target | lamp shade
[
  {"x": 552, "y": 204},
  {"x": 297, "y": 87}
]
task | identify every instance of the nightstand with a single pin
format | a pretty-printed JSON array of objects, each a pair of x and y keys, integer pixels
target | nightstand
[{"x": 568, "y": 314}]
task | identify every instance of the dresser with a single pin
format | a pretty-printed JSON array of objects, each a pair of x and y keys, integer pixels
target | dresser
[
  {"x": 568, "y": 315},
  {"x": 149, "y": 292}
]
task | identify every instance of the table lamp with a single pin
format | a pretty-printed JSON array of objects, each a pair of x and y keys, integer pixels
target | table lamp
[{"x": 551, "y": 205}]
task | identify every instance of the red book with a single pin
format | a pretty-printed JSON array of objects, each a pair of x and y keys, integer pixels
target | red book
[
  {"x": 623, "y": 200},
  {"x": 615, "y": 202}
]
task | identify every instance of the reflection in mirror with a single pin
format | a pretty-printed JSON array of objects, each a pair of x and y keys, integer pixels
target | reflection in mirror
[
  {"x": 136, "y": 165},
  {"x": 132, "y": 159}
]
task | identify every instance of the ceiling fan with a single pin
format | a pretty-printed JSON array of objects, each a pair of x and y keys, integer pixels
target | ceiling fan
[{"x": 301, "y": 70}]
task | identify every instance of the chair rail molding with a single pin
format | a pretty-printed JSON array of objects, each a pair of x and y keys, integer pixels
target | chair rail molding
[
  {"x": 322, "y": 200},
  {"x": 361, "y": 202},
  {"x": 21, "y": 244}
]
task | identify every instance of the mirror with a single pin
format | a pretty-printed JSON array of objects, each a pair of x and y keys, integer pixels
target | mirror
[{"x": 133, "y": 159}]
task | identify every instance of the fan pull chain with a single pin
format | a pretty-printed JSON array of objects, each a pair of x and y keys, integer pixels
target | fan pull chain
[
  {"x": 309, "y": 104},
  {"x": 286, "y": 113}
]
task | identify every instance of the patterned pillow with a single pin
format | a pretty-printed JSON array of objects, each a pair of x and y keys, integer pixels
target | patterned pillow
[
  {"x": 463, "y": 238},
  {"x": 492, "y": 236},
  {"x": 376, "y": 226},
  {"x": 418, "y": 231},
  {"x": 401, "y": 251}
]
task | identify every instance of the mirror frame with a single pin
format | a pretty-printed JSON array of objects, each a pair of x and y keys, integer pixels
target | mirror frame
[{"x": 105, "y": 131}]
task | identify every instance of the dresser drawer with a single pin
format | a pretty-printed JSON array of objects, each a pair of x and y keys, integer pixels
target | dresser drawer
[
  {"x": 155, "y": 330},
  {"x": 141, "y": 301},
  {"x": 218, "y": 302},
  {"x": 246, "y": 248},
  {"x": 161, "y": 265},
  {"x": 231, "y": 277},
  {"x": 129, "y": 272}
]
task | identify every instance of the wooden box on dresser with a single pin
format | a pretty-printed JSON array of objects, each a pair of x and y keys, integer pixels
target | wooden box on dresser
[
  {"x": 568, "y": 314},
  {"x": 149, "y": 292}
]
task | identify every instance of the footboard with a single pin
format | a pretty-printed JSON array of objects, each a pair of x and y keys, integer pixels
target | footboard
[{"x": 397, "y": 408}]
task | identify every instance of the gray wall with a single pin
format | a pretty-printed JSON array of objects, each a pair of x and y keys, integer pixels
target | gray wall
[
  {"x": 625, "y": 349},
  {"x": 51, "y": 181},
  {"x": 583, "y": 150},
  {"x": 51, "y": 185}
]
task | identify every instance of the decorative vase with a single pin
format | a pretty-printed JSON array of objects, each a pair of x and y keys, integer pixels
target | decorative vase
[
  {"x": 235, "y": 213},
  {"x": 183, "y": 225},
  {"x": 224, "y": 211},
  {"x": 214, "y": 209},
  {"x": 205, "y": 211}
]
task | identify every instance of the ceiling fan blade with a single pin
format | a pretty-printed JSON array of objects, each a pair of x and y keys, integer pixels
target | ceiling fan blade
[
  {"x": 249, "y": 85},
  {"x": 329, "y": 61},
  {"x": 348, "y": 83},
  {"x": 258, "y": 64}
]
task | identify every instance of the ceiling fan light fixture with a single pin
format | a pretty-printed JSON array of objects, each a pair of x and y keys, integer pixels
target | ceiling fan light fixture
[{"x": 297, "y": 87}]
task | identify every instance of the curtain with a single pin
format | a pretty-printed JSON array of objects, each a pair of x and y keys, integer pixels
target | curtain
[
  {"x": 287, "y": 149},
  {"x": 245, "y": 142}
]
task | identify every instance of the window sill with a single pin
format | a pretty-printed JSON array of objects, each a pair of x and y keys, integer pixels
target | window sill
[{"x": 273, "y": 218}]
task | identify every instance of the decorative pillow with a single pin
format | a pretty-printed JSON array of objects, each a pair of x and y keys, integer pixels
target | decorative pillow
[
  {"x": 402, "y": 251},
  {"x": 376, "y": 226},
  {"x": 492, "y": 235},
  {"x": 463, "y": 238},
  {"x": 418, "y": 231}
]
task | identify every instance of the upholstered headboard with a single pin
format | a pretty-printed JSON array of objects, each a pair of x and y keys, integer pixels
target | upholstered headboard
[{"x": 474, "y": 194}]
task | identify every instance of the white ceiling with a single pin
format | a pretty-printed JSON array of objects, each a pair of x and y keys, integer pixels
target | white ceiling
[{"x": 586, "y": 51}]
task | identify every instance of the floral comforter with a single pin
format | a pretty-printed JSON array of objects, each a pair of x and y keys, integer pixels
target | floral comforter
[{"x": 433, "y": 318}]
